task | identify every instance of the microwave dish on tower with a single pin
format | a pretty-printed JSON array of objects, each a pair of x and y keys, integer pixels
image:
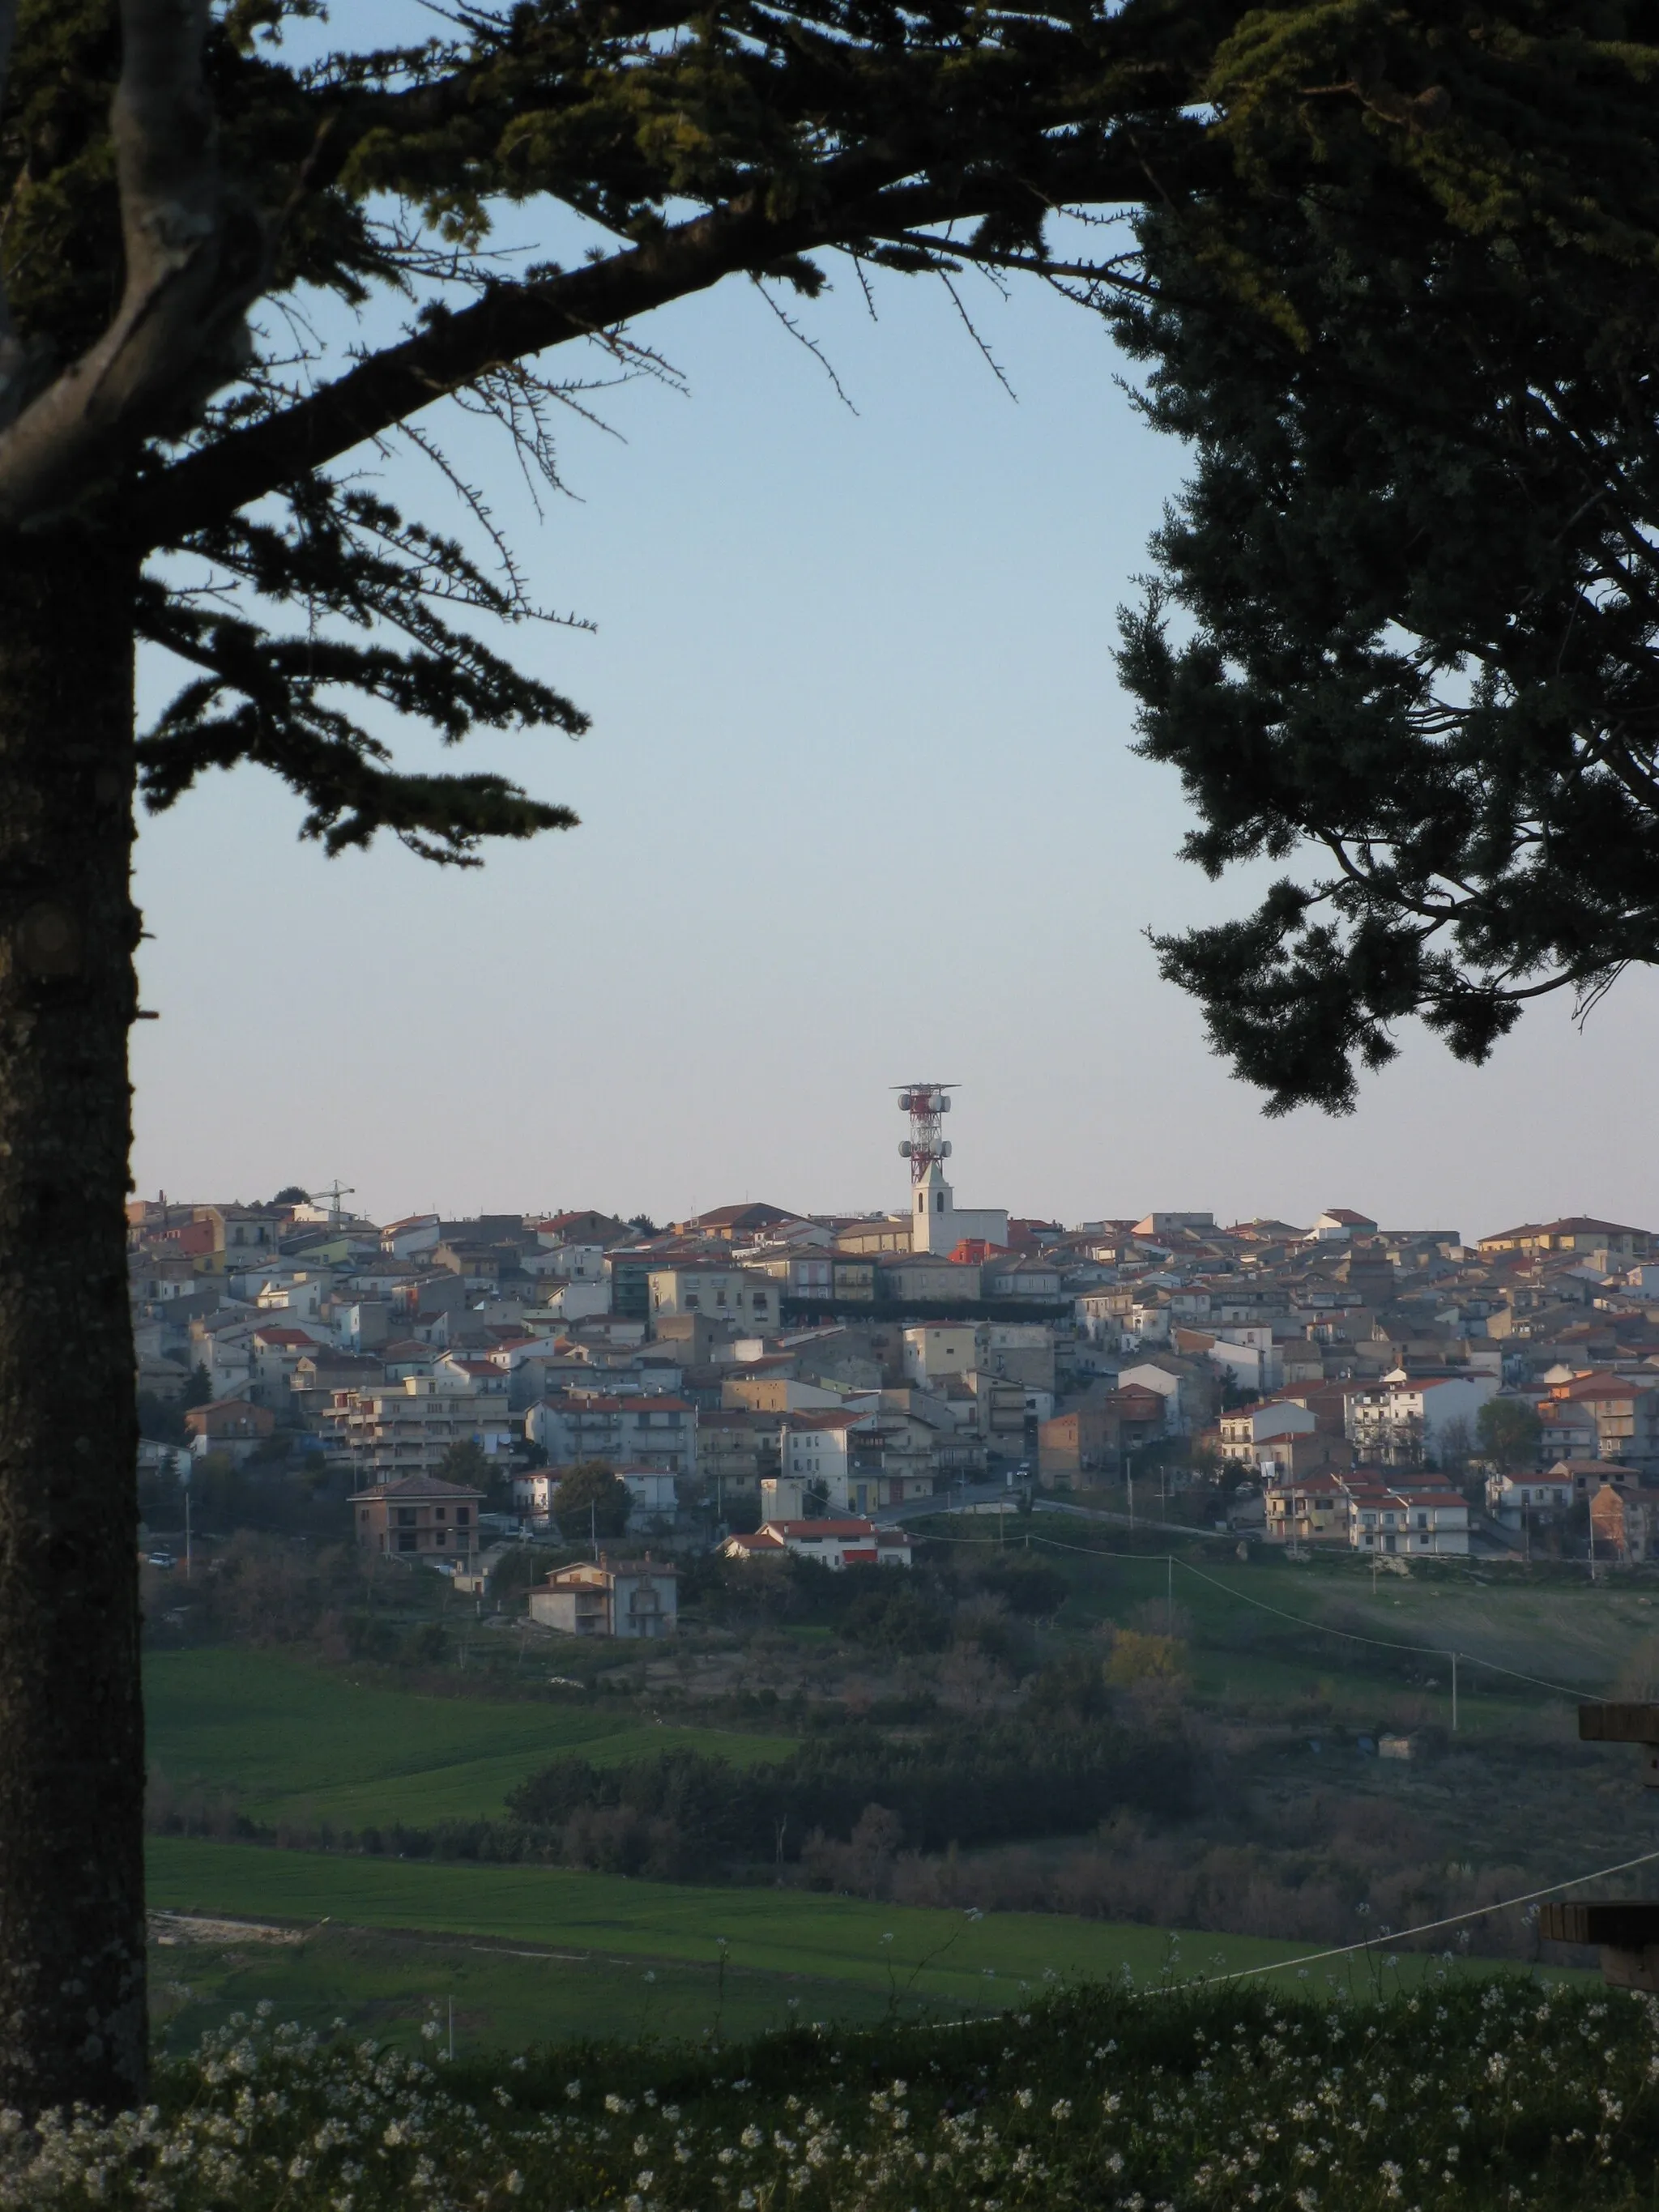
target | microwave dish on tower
[{"x": 926, "y": 1103}]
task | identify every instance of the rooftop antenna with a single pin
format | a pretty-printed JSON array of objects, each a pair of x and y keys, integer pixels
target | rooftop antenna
[{"x": 926, "y": 1103}]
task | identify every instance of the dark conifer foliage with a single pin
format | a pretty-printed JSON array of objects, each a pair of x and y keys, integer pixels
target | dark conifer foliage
[
  {"x": 701, "y": 145},
  {"x": 1403, "y": 630}
]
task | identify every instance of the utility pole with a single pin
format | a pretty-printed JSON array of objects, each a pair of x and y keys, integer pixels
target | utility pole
[
  {"x": 593, "y": 1525},
  {"x": 1168, "y": 1594},
  {"x": 1454, "y": 1661},
  {"x": 184, "y": 1480}
]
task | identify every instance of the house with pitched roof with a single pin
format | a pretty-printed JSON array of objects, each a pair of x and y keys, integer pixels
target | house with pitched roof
[
  {"x": 1425, "y": 1519},
  {"x": 636, "y": 1599},
  {"x": 851, "y": 1542},
  {"x": 417, "y": 1518}
]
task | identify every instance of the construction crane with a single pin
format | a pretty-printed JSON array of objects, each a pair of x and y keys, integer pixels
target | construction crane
[{"x": 334, "y": 1192}]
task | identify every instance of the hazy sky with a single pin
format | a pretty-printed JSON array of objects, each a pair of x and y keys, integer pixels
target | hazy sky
[{"x": 857, "y": 807}]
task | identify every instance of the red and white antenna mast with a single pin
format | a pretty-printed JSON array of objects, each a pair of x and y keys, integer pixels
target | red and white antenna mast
[{"x": 926, "y": 1103}]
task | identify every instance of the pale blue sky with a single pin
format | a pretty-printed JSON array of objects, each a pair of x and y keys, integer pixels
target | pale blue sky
[{"x": 857, "y": 807}]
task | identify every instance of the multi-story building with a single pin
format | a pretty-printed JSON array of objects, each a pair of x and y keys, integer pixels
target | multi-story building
[
  {"x": 1366, "y": 1511},
  {"x": 817, "y": 1451},
  {"x": 1310, "y": 1508},
  {"x": 637, "y": 1598},
  {"x": 1242, "y": 1434},
  {"x": 641, "y": 1429},
  {"x": 737, "y": 1451},
  {"x": 652, "y": 1496},
  {"x": 1624, "y": 1523},
  {"x": 1623, "y": 1413},
  {"x": 742, "y": 1295},
  {"x": 1578, "y": 1234},
  {"x": 1403, "y": 1423},
  {"x": 417, "y": 1517},
  {"x": 1422, "y": 1521},
  {"x": 406, "y": 1427},
  {"x": 1516, "y": 1501}
]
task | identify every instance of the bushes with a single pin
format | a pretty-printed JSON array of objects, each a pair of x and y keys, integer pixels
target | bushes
[
  {"x": 972, "y": 1785},
  {"x": 899, "y": 1621}
]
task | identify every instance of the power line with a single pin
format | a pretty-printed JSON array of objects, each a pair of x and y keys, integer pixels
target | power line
[
  {"x": 1382, "y": 1643},
  {"x": 1297, "y": 1620},
  {"x": 1428, "y": 1927}
]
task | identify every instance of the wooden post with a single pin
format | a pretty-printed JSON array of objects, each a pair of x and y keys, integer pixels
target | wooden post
[{"x": 1625, "y": 1930}]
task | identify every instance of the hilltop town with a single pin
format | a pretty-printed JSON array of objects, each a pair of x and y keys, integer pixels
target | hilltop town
[{"x": 754, "y": 1372}]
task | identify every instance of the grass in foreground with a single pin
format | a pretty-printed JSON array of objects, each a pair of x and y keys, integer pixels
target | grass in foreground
[
  {"x": 297, "y": 1741},
  {"x": 1450, "y": 2099}
]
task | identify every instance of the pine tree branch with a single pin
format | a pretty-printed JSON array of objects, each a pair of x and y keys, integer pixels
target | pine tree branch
[
  {"x": 859, "y": 196},
  {"x": 192, "y": 266}
]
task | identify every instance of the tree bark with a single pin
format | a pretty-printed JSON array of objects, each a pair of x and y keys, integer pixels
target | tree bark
[{"x": 72, "y": 1998}]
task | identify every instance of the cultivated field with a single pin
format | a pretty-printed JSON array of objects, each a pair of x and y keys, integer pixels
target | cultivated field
[
  {"x": 294, "y": 1741},
  {"x": 557, "y": 1953}
]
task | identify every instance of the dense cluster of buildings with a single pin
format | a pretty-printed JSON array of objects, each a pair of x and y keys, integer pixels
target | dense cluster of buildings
[{"x": 755, "y": 1359}]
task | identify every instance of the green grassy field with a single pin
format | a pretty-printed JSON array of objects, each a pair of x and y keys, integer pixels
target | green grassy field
[
  {"x": 1552, "y": 1622},
  {"x": 605, "y": 1933},
  {"x": 294, "y": 1741},
  {"x": 506, "y": 1998}
]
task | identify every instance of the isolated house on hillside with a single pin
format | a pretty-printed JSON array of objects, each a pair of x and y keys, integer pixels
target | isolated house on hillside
[
  {"x": 849, "y": 1542},
  {"x": 634, "y": 1598}
]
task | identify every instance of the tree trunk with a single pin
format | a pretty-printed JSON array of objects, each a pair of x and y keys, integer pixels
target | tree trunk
[{"x": 72, "y": 2002}]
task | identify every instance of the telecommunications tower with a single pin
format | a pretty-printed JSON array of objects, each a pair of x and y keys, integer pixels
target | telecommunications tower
[{"x": 926, "y": 1103}]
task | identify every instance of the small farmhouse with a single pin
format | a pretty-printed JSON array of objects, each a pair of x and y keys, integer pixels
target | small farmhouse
[
  {"x": 635, "y": 1597},
  {"x": 835, "y": 1544}
]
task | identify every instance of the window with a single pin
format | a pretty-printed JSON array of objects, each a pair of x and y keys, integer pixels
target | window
[
  {"x": 406, "y": 1539},
  {"x": 441, "y": 1514},
  {"x": 405, "y": 1518}
]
